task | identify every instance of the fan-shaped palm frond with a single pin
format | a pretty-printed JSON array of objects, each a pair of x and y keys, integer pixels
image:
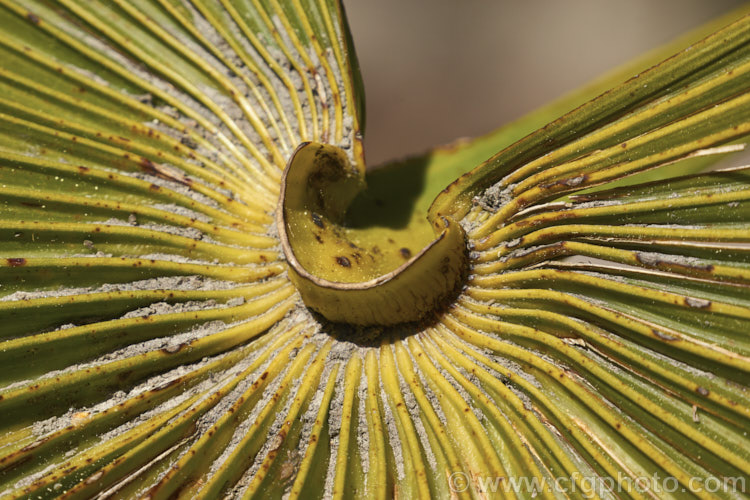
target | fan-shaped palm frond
[{"x": 182, "y": 188}]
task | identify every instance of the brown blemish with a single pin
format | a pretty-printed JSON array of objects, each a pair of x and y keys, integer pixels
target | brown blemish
[
  {"x": 405, "y": 253},
  {"x": 317, "y": 220},
  {"x": 16, "y": 261},
  {"x": 146, "y": 164},
  {"x": 654, "y": 260},
  {"x": 35, "y": 444},
  {"x": 173, "y": 348},
  {"x": 33, "y": 18},
  {"x": 343, "y": 261}
]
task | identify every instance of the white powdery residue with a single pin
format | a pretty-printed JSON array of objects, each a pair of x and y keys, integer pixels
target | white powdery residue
[
  {"x": 186, "y": 232},
  {"x": 137, "y": 69},
  {"x": 176, "y": 258},
  {"x": 169, "y": 344},
  {"x": 238, "y": 118},
  {"x": 414, "y": 412},
  {"x": 341, "y": 350},
  {"x": 334, "y": 428},
  {"x": 310, "y": 415},
  {"x": 655, "y": 259},
  {"x": 363, "y": 436},
  {"x": 241, "y": 431},
  {"x": 273, "y": 439},
  {"x": 495, "y": 196},
  {"x": 176, "y": 283},
  {"x": 467, "y": 399},
  {"x": 392, "y": 434},
  {"x": 506, "y": 380},
  {"x": 211, "y": 417},
  {"x": 204, "y": 387},
  {"x": 29, "y": 479},
  {"x": 176, "y": 187},
  {"x": 510, "y": 365},
  {"x": 85, "y": 255},
  {"x": 17, "y": 296},
  {"x": 54, "y": 424},
  {"x": 474, "y": 380},
  {"x": 510, "y": 383},
  {"x": 428, "y": 392},
  {"x": 181, "y": 211},
  {"x": 180, "y": 307},
  {"x": 285, "y": 62},
  {"x": 277, "y": 86}
]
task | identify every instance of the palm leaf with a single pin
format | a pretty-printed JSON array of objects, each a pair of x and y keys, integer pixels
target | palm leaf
[{"x": 159, "y": 341}]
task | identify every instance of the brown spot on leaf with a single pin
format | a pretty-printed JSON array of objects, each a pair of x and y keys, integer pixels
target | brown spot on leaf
[
  {"x": 147, "y": 165},
  {"x": 171, "y": 349},
  {"x": 405, "y": 253},
  {"x": 33, "y": 18},
  {"x": 317, "y": 220},
  {"x": 343, "y": 261},
  {"x": 16, "y": 261}
]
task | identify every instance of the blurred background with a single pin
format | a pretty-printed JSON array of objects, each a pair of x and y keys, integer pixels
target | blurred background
[{"x": 437, "y": 70}]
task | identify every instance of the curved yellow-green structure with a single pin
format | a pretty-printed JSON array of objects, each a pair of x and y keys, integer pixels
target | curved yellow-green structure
[{"x": 529, "y": 314}]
